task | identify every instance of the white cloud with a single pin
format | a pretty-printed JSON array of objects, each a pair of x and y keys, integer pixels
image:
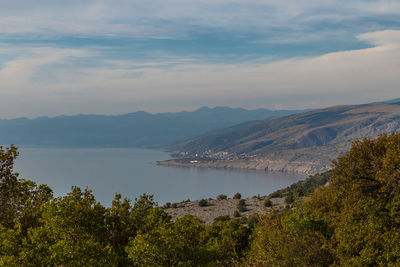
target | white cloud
[
  {"x": 48, "y": 81},
  {"x": 174, "y": 18}
]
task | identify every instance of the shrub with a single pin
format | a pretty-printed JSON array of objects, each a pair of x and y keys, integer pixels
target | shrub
[
  {"x": 268, "y": 203},
  {"x": 237, "y": 196},
  {"x": 241, "y": 208},
  {"x": 236, "y": 214},
  {"x": 252, "y": 221},
  {"x": 298, "y": 192},
  {"x": 222, "y": 218},
  {"x": 289, "y": 199},
  {"x": 221, "y": 197},
  {"x": 167, "y": 205},
  {"x": 242, "y": 205},
  {"x": 275, "y": 194},
  {"x": 203, "y": 203},
  {"x": 174, "y": 205}
]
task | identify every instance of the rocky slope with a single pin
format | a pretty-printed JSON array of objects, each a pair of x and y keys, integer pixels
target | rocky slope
[{"x": 304, "y": 142}]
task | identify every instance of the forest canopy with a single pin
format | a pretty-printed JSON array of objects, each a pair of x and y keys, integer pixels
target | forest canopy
[{"x": 354, "y": 220}]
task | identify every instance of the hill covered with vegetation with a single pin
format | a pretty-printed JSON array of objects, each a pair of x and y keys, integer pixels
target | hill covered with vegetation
[{"x": 354, "y": 220}]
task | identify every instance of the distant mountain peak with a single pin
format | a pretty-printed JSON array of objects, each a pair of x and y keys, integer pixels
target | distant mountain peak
[{"x": 393, "y": 101}]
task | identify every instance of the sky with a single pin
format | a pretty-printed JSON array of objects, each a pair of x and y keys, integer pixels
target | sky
[{"x": 121, "y": 56}]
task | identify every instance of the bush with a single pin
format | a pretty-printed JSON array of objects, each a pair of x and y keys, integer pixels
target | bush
[
  {"x": 241, "y": 206},
  {"x": 237, "y": 196},
  {"x": 221, "y": 197},
  {"x": 203, "y": 203},
  {"x": 167, "y": 205},
  {"x": 222, "y": 218},
  {"x": 236, "y": 214},
  {"x": 275, "y": 194},
  {"x": 289, "y": 199},
  {"x": 174, "y": 205},
  {"x": 268, "y": 203},
  {"x": 252, "y": 221},
  {"x": 298, "y": 192}
]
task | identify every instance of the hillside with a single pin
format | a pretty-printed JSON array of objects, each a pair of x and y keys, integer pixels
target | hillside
[
  {"x": 139, "y": 129},
  {"x": 305, "y": 142}
]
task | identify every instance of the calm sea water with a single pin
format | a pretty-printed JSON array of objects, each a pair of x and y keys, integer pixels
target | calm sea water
[{"x": 132, "y": 172}]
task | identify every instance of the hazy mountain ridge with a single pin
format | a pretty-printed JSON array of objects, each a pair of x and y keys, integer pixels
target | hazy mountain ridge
[
  {"x": 305, "y": 142},
  {"x": 139, "y": 129}
]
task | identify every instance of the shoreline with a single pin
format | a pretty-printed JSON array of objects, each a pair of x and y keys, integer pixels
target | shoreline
[{"x": 258, "y": 165}]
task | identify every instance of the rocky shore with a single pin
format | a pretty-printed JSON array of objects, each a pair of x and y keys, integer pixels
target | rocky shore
[{"x": 260, "y": 164}]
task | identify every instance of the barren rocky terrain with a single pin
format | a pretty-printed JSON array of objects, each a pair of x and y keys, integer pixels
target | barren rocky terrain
[
  {"x": 216, "y": 208},
  {"x": 304, "y": 143}
]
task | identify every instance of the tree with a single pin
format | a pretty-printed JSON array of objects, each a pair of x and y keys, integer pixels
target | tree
[
  {"x": 20, "y": 200},
  {"x": 362, "y": 202},
  {"x": 73, "y": 233},
  {"x": 169, "y": 244},
  {"x": 353, "y": 221}
]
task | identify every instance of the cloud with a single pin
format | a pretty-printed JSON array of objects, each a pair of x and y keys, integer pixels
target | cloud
[
  {"x": 178, "y": 18},
  {"x": 51, "y": 81}
]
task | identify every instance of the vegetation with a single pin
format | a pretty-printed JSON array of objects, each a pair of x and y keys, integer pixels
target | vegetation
[
  {"x": 222, "y": 197},
  {"x": 236, "y": 214},
  {"x": 237, "y": 196},
  {"x": 267, "y": 203},
  {"x": 352, "y": 221},
  {"x": 222, "y": 218},
  {"x": 203, "y": 203},
  {"x": 305, "y": 187}
]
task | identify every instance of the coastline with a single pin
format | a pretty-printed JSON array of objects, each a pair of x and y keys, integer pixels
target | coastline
[{"x": 260, "y": 164}]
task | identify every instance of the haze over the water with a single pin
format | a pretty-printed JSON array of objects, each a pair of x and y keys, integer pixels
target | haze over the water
[{"x": 109, "y": 57}]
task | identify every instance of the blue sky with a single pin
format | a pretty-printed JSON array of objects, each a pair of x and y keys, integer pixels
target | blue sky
[{"x": 110, "y": 57}]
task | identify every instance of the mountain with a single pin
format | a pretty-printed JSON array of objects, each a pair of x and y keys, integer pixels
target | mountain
[
  {"x": 139, "y": 129},
  {"x": 392, "y": 101},
  {"x": 305, "y": 142}
]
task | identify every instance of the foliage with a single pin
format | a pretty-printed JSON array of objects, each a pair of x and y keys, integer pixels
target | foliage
[
  {"x": 305, "y": 187},
  {"x": 222, "y": 218},
  {"x": 237, "y": 196},
  {"x": 226, "y": 242},
  {"x": 241, "y": 206},
  {"x": 221, "y": 197},
  {"x": 353, "y": 221},
  {"x": 203, "y": 203},
  {"x": 289, "y": 199},
  {"x": 267, "y": 203},
  {"x": 252, "y": 220}
]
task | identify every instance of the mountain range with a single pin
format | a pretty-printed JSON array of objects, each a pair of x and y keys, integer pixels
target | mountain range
[
  {"x": 304, "y": 142},
  {"x": 139, "y": 129}
]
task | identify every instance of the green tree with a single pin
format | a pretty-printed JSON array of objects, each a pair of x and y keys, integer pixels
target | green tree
[
  {"x": 226, "y": 241},
  {"x": 169, "y": 244},
  {"x": 73, "y": 233},
  {"x": 353, "y": 221}
]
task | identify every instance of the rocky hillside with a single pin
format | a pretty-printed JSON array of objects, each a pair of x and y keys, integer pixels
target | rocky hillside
[{"x": 305, "y": 142}]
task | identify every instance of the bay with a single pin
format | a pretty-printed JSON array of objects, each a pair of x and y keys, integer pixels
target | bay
[{"x": 132, "y": 172}]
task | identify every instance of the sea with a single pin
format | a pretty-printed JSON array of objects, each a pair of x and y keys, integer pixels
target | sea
[{"x": 132, "y": 172}]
